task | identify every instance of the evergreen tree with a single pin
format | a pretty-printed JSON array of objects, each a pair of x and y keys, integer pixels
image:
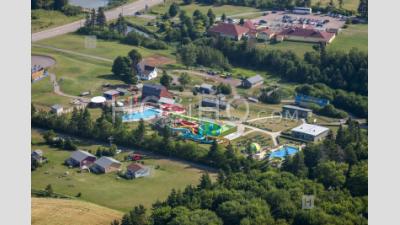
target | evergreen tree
[
  {"x": 173, "y": 9},
  {"x": 211, "y": 17},
  {"x": 92, "y": 23},
  {"x": 187, "y": 55},
  {"x": 165, "y": 79},
  {"x": 241, "y": 21},
  {"x": 101, "y": 18},
  {"x": 205, "y": 181},
  {"x": 223, "y": 17},
  {"x": 59, "y": 4}
]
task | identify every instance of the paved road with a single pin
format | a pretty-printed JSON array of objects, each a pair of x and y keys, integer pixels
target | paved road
[{"x": 126, "y": 10}]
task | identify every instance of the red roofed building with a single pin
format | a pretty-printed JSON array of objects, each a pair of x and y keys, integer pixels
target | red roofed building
[
  {"x": 266, "y": 34},
  {"x": 229, "y": 30},
  {"x": 305, "y": 35}
]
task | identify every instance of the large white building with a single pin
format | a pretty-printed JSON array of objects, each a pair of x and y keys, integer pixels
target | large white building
[{"x": 310, "y": 132}]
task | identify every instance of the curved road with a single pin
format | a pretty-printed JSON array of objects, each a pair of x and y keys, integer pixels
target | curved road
[{"x": 126, "y": 10}]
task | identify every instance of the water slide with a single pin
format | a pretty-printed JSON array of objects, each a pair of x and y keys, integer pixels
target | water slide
[{"x": 187, "y": 134}]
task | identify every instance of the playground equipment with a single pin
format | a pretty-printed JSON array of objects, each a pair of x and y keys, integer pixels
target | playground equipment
[{"x": 254, "y": 147}]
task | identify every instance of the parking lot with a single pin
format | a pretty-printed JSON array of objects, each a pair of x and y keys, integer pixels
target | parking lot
[{"x": 279, "y": 20}]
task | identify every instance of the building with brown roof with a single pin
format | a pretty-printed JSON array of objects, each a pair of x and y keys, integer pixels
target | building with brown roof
[
  {"x": 136, "y": 170},
  {"x": 229, "y": 30},
  {"x": 305, "y": 35}
]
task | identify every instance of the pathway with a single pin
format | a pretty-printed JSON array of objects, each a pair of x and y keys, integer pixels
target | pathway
[{"x": 73, "y": 52}]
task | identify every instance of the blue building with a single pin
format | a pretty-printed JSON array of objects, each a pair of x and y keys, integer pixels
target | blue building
[{"x": 305, "y": 100}]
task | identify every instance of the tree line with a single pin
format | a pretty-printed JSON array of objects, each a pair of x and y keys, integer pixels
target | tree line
[
  {"x": 334, "y": 172},
  {"x": 345, "y": 74},
  {"x": 162, "y": 141},
  {"x": 58, "y": 5},
  {"x": 96, "y": 24}
]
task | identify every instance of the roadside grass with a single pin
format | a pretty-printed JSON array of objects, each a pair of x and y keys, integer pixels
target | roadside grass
[
  {"x": 52, "y": 211},
  {"x": 45, "y": 19},
  {"x": 355, "y": 36},
  {"x": 108, "y": 190}
]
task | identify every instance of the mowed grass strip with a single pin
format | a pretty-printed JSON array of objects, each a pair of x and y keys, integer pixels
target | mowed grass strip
[
  {"x": 106, "y": 49},
  {"x": 355, "y": 36},
  {"x": 50, "y": 211}
]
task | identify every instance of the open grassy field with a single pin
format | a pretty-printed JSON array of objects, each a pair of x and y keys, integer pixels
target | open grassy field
[
  {"x": 45, "y": 19},
  {"x": 347, "y": 4},
  {"x": 106, "y": 189},
  {"x": 50, "y": 211},
  {"x": 355, "y": 36},
  {"x": 105, "y": 49},
  {"x": 264, "y": 140},
  {"x": 275, "y": 124},
  {"x": 42, "y": 94},
  {"x": 218, "y": 10}
]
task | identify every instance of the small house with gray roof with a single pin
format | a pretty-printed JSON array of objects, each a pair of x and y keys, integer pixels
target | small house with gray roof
[
  {"x": 252, "y": 81},
  {"x": 106, "y": 165},
  {"x": 80, "y": 158}
]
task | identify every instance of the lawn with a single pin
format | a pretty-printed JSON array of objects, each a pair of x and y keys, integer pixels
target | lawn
[
  {"x": 106, "y": 189},
  {"x": 105, "y": 49},
  {"x": 275, "y": 124},
  {"x": 52, "y": 211},
  {"x": 347, "y": 4},
  {"x": 45, "y": 19},
  {"x": 42, "y": 94},
  {"x": 355, "y": 36},
  {"x": 229, "y": 10},
  {"x": 264, "y": 140}
]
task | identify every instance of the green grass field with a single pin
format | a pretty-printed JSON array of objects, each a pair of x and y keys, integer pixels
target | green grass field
[
  {"x": 105, "y": 189},
  {"x": 45, "y": 19},
  {"x": 347, "y": 4},
  {"x": 218, "y": 10},
  {"x": 355, "y": 36},
  {"x": 105, "y": 49}
]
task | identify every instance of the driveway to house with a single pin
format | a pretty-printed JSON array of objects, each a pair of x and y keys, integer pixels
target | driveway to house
[{"x": 125, "y": 10}]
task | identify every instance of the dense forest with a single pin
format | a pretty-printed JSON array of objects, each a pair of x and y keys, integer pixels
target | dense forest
[{"x": 334, "y": 172}]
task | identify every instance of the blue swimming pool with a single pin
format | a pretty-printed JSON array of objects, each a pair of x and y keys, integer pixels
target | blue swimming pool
[
  {"x": 145, "y": 115},
  {"x": 283, "y": 152}
]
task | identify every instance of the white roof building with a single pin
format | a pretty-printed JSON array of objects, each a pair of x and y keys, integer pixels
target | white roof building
[
  {"x": 310, "y": 132},
  {"x": 310, "y": 129}
]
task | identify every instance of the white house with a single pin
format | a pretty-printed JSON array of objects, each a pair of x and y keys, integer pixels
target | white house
[{"x": 146, "y": 72}]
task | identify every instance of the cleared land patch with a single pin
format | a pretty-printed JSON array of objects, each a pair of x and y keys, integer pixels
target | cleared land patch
[{"x": 52, "y": 211}]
